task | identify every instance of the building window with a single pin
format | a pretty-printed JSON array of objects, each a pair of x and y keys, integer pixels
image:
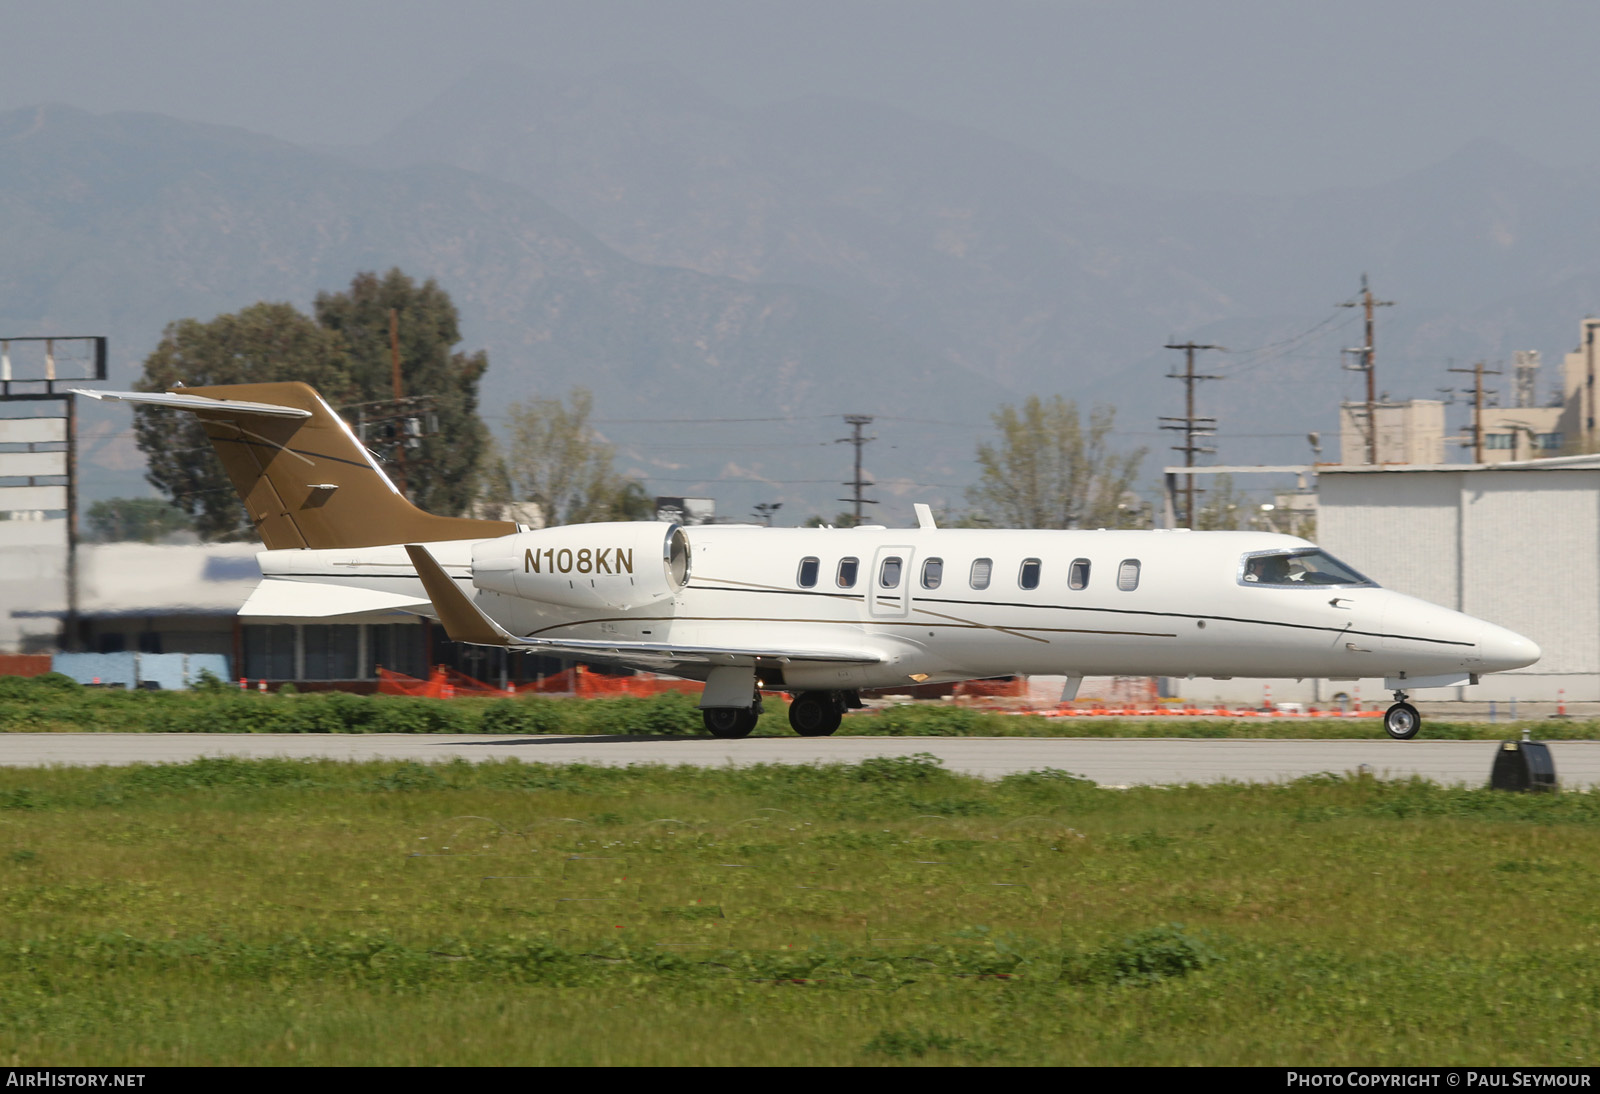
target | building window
[
  {"x": 808, "y": 572},
  {"x": 1548, "y": 442},
  {"x": 1128, "y": 575},
  {"x": 981, "y": 569},
  {"x": 398, "y": 647},
  {"x": 889, "y": 574},
  {"x": 1500, "y": 440},
  {"x": 847, "y": 572},
  {"x": 269, "y": 652},
  {"x": 932, "y": 573},
  {"x": 1078, "y": 575},
  {"x": 1028, "y": 576},
  {"x": 331, "y": 651}
]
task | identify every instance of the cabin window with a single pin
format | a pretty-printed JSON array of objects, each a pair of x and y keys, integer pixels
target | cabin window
[
  {"x": 889, "y": 575},
  {"x": 847, "y": 572},
  {"x": 932, "y": 573},
  {"x": 1128, "y": 575},
  {"x": 1299, "y": 568},
  {"x": 1028, "y": 576},
  {"x": 1078, "y": 574},
  {"x": 981, "y": 569},
  {"x": 808, "y": 572}
]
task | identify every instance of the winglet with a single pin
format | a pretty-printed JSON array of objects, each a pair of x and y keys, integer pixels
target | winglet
[{"x": 463, "y": 620}]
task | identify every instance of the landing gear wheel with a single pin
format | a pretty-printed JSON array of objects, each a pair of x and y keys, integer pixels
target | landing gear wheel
[
  {"x": 1402, "y": 721},
  {"x": 815, "y": 714},
  {"x": 729, "y": 723}
]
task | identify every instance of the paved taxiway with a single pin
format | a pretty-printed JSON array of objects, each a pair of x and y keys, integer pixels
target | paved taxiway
[{"x": 1108, "y": 761}]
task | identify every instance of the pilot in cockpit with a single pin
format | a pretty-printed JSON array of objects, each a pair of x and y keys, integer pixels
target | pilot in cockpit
[{"x": 1269, "y": 570}]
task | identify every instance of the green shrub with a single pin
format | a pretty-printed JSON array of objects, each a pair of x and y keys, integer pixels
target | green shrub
[
  {"x": 1161, "y": 953},
  {"x": 209, "y": 683},
  {"x": 912, "y": 720}
]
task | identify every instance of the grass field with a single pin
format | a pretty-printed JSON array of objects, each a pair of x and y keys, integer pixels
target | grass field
[{"x": 278, "y": 912}]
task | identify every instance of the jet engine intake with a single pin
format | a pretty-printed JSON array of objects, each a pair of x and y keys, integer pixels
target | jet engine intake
[{"x": 619, "y": 565}]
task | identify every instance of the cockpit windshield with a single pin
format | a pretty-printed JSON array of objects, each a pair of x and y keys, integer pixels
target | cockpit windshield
[{"x": 1299, "y": 568}]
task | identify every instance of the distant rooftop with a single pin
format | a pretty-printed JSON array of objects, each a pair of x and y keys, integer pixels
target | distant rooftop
[{"x": 122, "y": 579}]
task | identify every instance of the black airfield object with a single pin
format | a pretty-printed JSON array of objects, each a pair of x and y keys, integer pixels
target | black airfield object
[{"x": 1523, "y": 765}]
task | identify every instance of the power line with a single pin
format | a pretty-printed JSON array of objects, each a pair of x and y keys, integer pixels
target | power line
[{"x": 1259, "y": 356}]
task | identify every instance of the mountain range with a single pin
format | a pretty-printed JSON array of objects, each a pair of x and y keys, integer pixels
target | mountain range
[{"x": 687, "y": 260}]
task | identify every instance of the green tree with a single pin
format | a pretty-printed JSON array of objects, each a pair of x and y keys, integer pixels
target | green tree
[
  {"x": 441, "y": 473},
  {"x": 1224, "y": 508},
  {"x": 846, "y": 519},
  {"x": 344, "y": 354},
  {"x": 147, "y": 520},
  {"x": 557, "y": 460},
  {"x": 1047, "y": 470},
  {"x": 263, "y": 343}
]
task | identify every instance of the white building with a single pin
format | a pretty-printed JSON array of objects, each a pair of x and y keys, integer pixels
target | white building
[
  {"x": 1409, "y": 432},
  {"x": 1517, "y": 544}
]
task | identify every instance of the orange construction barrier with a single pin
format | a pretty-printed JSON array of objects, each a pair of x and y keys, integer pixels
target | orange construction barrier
[
  {"x": 442, "y": 683},
  {"x": 583, "y": 683},
  {"x": 446, "y": 683}
]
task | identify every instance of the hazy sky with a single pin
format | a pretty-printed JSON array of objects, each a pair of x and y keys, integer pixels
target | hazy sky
[{"x": 1264, "y": 96}]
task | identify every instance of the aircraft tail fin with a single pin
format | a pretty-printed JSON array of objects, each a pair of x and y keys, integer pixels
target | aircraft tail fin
[{"x": 304, "y": 478}]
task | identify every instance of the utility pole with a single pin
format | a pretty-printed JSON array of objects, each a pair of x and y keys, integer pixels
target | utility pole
[
  {"x": 1191, "y": 426},
  {"x": 399, "y": 398},
  {"x": 856, "y": 421},
  {"x": 1479, "y": 371},
  {"x": 403, "y": 421},
  {"x": 1366, "y": 301}
]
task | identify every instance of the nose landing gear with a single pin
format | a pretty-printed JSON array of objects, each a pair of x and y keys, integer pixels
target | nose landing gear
[{"x": 1401, "y": 721}]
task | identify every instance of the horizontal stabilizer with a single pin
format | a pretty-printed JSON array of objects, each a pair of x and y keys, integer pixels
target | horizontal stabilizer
[
  {"x": 196, "y": 403},
  {"x": 315, "y": 600}
]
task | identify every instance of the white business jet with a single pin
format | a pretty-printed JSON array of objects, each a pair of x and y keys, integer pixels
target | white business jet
[{"x": 821, "y": 613}]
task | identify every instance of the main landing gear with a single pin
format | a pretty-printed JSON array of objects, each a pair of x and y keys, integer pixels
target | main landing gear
[
  {"x": 811, "y": 714},
  {"x": 1402, "y": 721},
  {"x": 816, "y": 713},
  {"x": 732, "y": 723}
]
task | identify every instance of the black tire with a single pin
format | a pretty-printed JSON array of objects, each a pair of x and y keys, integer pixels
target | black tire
[
  {"x": 814, "y": 714},
  {"x": 729, "y": 723},
  {"x": 1402, "y": 721}
]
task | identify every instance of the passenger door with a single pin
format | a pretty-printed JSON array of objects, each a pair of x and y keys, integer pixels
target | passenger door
[{"x": 888, "y": 600}]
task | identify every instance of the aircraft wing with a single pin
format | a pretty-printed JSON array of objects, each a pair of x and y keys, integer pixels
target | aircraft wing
[
  {"x": 275, "y": 598},
  {"x": 464, "y": 621}
]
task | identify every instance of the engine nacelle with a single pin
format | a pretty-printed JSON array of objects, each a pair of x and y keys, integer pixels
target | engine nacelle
[{"x": 623, "y": 564}]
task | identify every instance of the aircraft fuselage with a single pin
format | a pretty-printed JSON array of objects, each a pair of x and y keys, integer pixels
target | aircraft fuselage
[{"x": 934, "y": 605}]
